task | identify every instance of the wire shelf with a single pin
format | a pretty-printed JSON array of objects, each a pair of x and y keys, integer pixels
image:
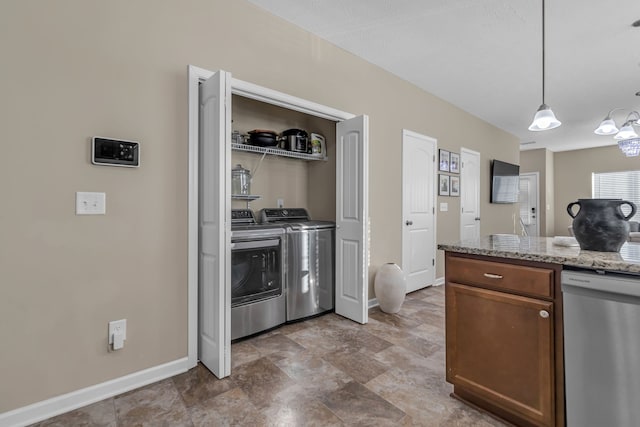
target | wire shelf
[
  {"x": 274, "y": 151},
  {"x": 247, "y": 197}
]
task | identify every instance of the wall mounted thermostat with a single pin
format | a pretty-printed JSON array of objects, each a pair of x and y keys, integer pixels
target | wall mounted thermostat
[{"x": 115, "y": 152}]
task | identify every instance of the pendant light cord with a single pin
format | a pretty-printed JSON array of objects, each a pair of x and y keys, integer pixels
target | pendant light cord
[{"x": 543, "y": 42}]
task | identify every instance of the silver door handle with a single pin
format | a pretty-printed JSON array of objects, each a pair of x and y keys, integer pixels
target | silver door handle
[
  {"x": 544, "y": 314},
  {"x": 492, "y": 276},
  {"x": 409, "y": 222},
  {"x": 477, "y": 218}
]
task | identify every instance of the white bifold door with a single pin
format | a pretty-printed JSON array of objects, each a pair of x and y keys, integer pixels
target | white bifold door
[
  {"x": 214, "y": 263},
  {"x": 352, "y": 216},
  {"x": 214, "y": 223}
]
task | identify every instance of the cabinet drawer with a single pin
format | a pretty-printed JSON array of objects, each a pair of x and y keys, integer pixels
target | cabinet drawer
[{"x": 497, "y": 275}]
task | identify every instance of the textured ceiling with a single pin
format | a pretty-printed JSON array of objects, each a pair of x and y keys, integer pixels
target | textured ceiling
[{"x": 485, "y": 56}]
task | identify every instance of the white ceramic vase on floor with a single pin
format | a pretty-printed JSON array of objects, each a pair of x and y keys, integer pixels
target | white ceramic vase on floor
[{"x": 390, "y": 287}]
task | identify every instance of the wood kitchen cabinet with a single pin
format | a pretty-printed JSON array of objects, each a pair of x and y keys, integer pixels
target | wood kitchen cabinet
[{"x": 504, "y": 337}]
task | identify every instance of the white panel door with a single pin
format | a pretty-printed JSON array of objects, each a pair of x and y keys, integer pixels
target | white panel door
[
  {"x": 418, "y": 210},
  {"x": 469, "y": 194},
  {"x": 352, "y": 216},
  {"x": 214, "y": 275},
  {"x": 529, "y": 200}
]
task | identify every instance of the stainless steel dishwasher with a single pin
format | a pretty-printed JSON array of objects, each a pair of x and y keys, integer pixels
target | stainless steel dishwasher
[{"x": 601, "y": 348}]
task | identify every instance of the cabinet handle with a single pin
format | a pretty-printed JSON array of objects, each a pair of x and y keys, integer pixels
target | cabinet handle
[
  {"x": 492, "y": 276},
  {"x": 544, "y": 314}
]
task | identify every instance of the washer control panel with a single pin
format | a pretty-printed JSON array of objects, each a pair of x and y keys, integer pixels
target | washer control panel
[{"x": 115, "y": 152}]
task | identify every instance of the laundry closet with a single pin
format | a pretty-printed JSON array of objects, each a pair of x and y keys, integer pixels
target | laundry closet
[{"x": 312, "y": 188}]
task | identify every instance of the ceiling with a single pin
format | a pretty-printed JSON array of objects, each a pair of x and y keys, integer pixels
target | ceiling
[{"x": 486, "y": 56}]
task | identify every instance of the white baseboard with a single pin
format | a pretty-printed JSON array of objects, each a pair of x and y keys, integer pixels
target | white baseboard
[
  {"x": 76, "y": 399},
  {"x": 439, "y": 281}
]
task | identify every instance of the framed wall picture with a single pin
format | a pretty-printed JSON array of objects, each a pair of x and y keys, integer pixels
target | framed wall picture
[
  {"x": 454, "y": 186},
  {"x": 454, "y": 163},
  {"x": 443, "y": 185},
  {"x": 444, "y": 161}
]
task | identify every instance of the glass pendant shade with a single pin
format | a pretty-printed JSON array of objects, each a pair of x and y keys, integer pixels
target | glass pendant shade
[
  {"x": 544, "y": 119},
  {"x": 626, "y": 132},
  {"x": 607, "y": 127},
  {"x": 630, "y": 147}
]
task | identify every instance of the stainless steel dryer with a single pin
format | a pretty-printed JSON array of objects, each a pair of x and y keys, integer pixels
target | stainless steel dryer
[
  {"x": 310, "y": 252},
  {"x": 257, "y": 275}
]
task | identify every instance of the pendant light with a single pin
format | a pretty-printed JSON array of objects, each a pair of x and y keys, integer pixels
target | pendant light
[{"x": 544, "y": 118}]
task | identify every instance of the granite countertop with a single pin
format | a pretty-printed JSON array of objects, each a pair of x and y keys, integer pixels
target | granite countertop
[{"x": 542, "y": 249}]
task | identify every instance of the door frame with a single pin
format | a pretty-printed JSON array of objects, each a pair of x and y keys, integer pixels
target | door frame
[
  {"x": 434, "y": 141},
  {"x": 196, "y": 75},
  {"x": 466, "y": 150},
  {"x": 537, "y": 176}
]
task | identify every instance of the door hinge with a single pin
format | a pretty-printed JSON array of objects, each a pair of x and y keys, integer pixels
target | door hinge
[
  {"x": 434, "y": 158},
  {"x": 433, "y": 210},
  {"x": 433, "y": 261},
  {"x": 462, "y": 210}
]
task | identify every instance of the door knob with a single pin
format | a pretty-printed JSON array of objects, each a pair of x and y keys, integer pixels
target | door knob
[
  {"x": 409, "y": 222},
  {"x": 544, "y": 314},
  {"x": 477, "y": 218}
]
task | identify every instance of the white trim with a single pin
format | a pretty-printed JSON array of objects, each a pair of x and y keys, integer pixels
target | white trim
[
  {"x": 248, "y": 90},
  {"x": 373, "y": 302},
  {"x": 439, "y": 281},
  {"x": 270, "y": 96},
  {"x": 76, "y": 399}
]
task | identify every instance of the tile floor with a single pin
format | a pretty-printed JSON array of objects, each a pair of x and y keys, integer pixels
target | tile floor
[{"x": 327, "y": 371}]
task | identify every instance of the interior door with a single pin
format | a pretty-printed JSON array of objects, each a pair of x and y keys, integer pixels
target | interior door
[
  {"x": 352, "y": 217},
  {"x": 418, "y": 210},
  {"x": 214, "y": 269},
  {"x": 528, "y": 199},
  {"x": 469, "y": 194}
]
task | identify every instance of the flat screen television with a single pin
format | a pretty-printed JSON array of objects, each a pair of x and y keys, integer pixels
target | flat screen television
[{"x": 505, "y": 182}]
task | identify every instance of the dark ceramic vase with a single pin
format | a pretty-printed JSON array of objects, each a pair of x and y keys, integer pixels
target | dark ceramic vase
[{"x": 600, "y": 224}]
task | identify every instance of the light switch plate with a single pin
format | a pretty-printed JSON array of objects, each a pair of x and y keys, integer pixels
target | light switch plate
[
  {"x": 90, "y": 203},
  {"x": 444, "y": 207}
]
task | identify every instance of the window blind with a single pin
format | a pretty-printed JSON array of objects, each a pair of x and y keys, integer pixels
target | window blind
[{"x": 619, "y": 185}]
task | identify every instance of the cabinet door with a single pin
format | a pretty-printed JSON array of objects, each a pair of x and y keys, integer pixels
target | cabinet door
[{"x": 499, "y": 349}]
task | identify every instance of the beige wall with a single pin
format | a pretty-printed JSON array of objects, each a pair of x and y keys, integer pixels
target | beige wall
[
  {"x": 73, "y": 69},
  {"x": 542, "y": 161},
  {"x": 573, "y": 172},
  {"x": 495, "y": 218}
]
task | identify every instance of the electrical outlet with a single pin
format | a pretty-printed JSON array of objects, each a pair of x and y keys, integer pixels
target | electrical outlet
[
  {"x": 280, "y": 203},
  {"x": 117, "y": 333}
]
